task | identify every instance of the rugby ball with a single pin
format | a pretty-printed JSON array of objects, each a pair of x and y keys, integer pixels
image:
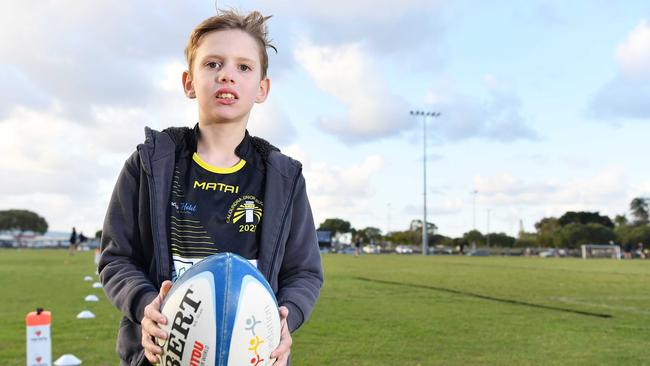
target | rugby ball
[{"x": 220, "y": 312}]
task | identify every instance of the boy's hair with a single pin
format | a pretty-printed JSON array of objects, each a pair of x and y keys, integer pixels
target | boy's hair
[{"x": 254, "y": 24}]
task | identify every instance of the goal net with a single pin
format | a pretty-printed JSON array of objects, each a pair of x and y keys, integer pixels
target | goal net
[{"x": 601, "y": 251}]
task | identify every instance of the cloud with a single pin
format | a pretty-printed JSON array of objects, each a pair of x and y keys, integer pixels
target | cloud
[
  {"x": 621, "y": 98},
  {"x": 379, "y": 11},
  {"x": 444, "y": 207},
  {"x": 68, "y": 57},
  {"x": 344, "y": 72},
  {"x": 512, "y": 198},
  {"x": 54, "y": 167},
  {"x": 269, "y": 121},
  {"x": 340, "y": 191},
  {"x": 66, "y": 170},
  {"x": 385, "y": 27},
  {"x": 373, "y": 112},
  {"x": 106, "y": 64},
  {"x": 641, "y": 189},
  {"x": 495, "y": 117},
  {"x": 505, "y": 189},
  {"x": 633, "y": 55},
  {"x": 628, "y": 93},
  {"x": 50, "y": 155},
  {"x": 81, "y": 80},
  {"x": 605, "y": 191},
  {"x": 61, "y": 211}
]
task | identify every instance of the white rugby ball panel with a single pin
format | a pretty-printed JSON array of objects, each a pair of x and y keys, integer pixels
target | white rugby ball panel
[
  {"x": 190, "y": 322},
  {"x": 220, "y": 312},
  {"x": 255, "y": 321}
]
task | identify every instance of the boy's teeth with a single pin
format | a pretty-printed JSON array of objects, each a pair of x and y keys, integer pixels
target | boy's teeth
[{"x": 226, "y": 96}]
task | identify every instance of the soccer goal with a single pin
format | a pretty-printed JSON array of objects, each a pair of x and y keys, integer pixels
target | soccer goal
[{"x": 601, "y": 251}]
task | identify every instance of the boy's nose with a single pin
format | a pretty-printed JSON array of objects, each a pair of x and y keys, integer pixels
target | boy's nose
[{"x": 225, "y": 76}]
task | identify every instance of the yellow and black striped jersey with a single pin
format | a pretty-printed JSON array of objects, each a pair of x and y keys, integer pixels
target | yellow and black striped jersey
[{"x": 215, "y": 209}]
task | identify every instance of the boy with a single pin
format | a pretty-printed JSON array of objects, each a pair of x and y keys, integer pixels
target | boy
[{"x": 188, "y": 193}]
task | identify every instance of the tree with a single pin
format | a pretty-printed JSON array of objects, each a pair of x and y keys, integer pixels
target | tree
[
  {"x": 639, "y": 210},
  {"x": 526, "y": 240},
  {"x": 633, "y": 235},
  {"x": 414, "y": 234},
  {"x": 335, "y": 225},
  {"x": 98, "y": 235},
  {"x": 620, "y": 220},
  {"x": 369, "y": 234},
  {"x": 417, "y": 225},
  {"x": 573, "y": 235},
  {"x": 547, "y": 232},
  {"x": 501, "y": 240},
  {"x": 438, "y": 239},
  {"x": 407, "y": 237},
  {"x": 582, "y": 217},
  {"x": 17, "y": 222},
  {"x": 474, "y": 236}
]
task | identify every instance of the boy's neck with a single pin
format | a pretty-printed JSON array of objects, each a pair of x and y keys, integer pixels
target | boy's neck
[{"x": 218, "y": 141}]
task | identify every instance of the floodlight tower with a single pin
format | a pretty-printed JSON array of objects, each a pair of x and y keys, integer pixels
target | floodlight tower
[
  {"x": 474, "y": 192},
  {"x": 487, "y": 236},
  {"x": 388, "y": 219},
  {"x": 425, "y": 246}
]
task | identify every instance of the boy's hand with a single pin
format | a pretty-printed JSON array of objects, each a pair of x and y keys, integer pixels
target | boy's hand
[
  {"x": 281, "y": 354},
  {"x": 150, "y": 329}
]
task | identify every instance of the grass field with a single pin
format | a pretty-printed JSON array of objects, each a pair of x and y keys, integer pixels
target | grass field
[{"x": 387, "y": 310}]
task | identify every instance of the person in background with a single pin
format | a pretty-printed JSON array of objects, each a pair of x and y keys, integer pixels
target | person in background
[
  {"x": 627, "y": 251},
  {"x": 82, "y": 238},
  {"x": 357, "y": 247},
  {"x": 73, "y": 242},
  {"x": 641, "y": 250}
]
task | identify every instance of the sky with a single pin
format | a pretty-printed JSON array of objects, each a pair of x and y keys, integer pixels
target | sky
[{"x": 544, "y": 105}]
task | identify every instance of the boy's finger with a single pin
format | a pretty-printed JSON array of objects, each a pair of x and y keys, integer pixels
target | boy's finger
[
  {"x": 282, "y": 360},
  {"x": 152, "y": 359},
  {"x": 147, "y": 312},
  {"x": 152, "y": 311},
  {"x": 152, "y": 329},
  {"x": 285, "y": 344},
  {"x": 149, "y": 345},
  {"x": 284, "y": 312},
  {"x": 164, "y": 288},
  {"x": 283, "y": 348},
  {"x": 157, "y": 303}
]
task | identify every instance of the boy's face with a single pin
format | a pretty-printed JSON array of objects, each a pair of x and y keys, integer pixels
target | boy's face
[{"x": 226, "y": 77}]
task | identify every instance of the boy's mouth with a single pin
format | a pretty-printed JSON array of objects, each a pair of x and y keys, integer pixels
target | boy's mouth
[{"x": 226, "y": 94}]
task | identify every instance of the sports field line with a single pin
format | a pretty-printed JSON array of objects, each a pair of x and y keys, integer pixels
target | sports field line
[
  {"x": 545, "y": 269},
  {"x": 577, "y": 301},
  {"x": 485, "y": 297}
]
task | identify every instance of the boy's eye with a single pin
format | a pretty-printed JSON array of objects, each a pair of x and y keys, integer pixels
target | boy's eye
[
  {"x": 243, "y": 67},
  {"x": 212, "y": 64}
]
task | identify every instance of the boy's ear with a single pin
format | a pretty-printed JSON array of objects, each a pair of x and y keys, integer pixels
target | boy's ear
[
  {"x": 188, "y": 85},
  {"x": 263, "y": 91}
]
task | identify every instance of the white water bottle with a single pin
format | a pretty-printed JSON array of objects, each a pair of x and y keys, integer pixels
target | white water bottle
[{"x": 39, "y": 343}]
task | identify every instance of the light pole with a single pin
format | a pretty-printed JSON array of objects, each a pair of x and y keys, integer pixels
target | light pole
[
  {"x": 388, "y": 219},
  {"x": 474, "y": 192},
  {"x": 487, "y": 236},
  {"x": 425, "y": 246}
]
